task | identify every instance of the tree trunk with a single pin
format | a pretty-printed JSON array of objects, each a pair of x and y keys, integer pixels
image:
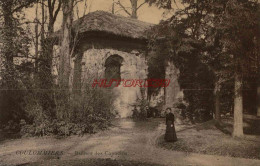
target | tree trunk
[
  {"x": 258, "y": 96},
  {"x": 8, "y": 34},
  {"x": 9, "y": 51},
  {"x": 77, "y": 74},
  {"x": 113, "y": 7},
  {"x": 9, "y": 98},
  {"x": 238, "y": 107},
  {"x": 217, "y": 101},
  {"x": 64, "y": 67},
  {"x": 45, "y": 68},
  {"x": 217, "y": 106},
  {"x": 47, "y": 47},
  {"x": 134, "y": 9},
  {"x": 36, "y": 38}
]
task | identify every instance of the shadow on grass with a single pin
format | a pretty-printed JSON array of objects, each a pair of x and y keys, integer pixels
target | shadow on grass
[
  {"x": 251, "y": 126},
  {"x": 226, "y": 128},
  {"x": 90, "y": 162},
  {"x": 4, "y": 136}
]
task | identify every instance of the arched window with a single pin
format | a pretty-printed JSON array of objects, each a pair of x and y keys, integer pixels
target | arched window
[{"x": 113, "y": 64}]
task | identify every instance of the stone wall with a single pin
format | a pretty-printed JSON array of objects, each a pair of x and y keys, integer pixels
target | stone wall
[
  {"x": 133, "y": 67},
  {"x": 168, "y": 96},
  {"x": 173, "y": 91},
  {"x": 91, "y": 64}
]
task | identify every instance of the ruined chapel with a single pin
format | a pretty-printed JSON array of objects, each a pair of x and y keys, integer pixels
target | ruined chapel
[{"x": 115, "y": 47}]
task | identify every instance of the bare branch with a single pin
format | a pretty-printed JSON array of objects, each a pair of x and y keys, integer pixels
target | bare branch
[
  {"x": 57, "y": 10},
  {"x": 53, "y": 4},
  {"x": 85, "y": 8},
  {"x": 50, "y": 7},
  {"x": 119, "y": 3},
  {"x": 141, "y": 5},
  {"x": 77, "y": 11},
  {"x": 23, "y": 5},
  {"x": 76, "y": 2},
  {"x": 117, "y": 11}
]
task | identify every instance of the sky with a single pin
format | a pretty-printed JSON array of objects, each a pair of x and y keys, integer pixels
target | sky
[{"x": 146, "y": 13}]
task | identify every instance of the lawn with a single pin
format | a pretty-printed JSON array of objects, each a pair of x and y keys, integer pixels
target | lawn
[{"x": 210, "y": 138}]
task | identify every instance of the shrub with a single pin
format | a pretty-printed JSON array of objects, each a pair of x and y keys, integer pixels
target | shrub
[
  {"x": 182, "y": 106},
  {"x": 86, "y": 112},
  {"x": 141, "y": 103}
]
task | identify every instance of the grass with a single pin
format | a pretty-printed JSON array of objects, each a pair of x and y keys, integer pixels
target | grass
[
  {"x": 208, "y": 139},
  {"x": 90, "y": 162}
]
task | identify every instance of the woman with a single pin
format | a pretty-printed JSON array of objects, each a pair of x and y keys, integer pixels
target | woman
[{"x": 170, "y": 134}]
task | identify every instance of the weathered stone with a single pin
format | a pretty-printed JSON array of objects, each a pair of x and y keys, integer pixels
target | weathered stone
[
  {"x": 172, "y": 92},
  {"x": 133, "y": 67},
  {"x": 97, "y": 47}
]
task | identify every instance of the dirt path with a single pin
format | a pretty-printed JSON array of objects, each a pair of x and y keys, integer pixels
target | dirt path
[{"x": 127, "y": 140}]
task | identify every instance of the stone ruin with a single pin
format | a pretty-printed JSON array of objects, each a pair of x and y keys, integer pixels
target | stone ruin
[{"x": 115, "y": 47}]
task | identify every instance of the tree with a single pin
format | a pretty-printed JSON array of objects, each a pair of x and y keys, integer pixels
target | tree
[
  {"x": 217, "y": 101},
  {"x": 258, "y": 85},
  {"x": 14, "y": 44},
  {"x": 184, "y": 45},
  {"x": 258, "y": 97},
  {"x": 66, "y": 40},
  {"x": 258, "y": 68},
  {"x": 166, "y": 4},
  {"x": 134, "y": 7},
  {"x": 217, "y": 24},
  {"x": 8, "y": 9},
  {"x": 45, "y": 58},
  {"x": 237, "y": 40}
]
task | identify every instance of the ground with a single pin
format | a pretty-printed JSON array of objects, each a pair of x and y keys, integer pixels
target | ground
[
  {"x": 126, "y": 143},
  {"x": 207, "y": 138}
]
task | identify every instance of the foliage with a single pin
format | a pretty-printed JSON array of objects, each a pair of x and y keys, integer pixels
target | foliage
[
  {"x": 207, "y": 42},
  {"x": 85, "y": 113},
  {"x": 27, "y": 88},
  {"x": 195, "y": 78},
  {"x": 166, "y": 4},
  {"x": 156, "y": 70},
  {"x": 182, "y": 106},
  {"x": 14, "y": 66},
  {"x": 140, "y": 107}
]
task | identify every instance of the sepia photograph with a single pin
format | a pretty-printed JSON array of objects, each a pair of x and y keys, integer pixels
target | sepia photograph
[{"x": 129, "y": 82}]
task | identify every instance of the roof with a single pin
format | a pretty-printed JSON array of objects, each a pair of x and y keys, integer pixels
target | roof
[{"x": 107, "y": 22}]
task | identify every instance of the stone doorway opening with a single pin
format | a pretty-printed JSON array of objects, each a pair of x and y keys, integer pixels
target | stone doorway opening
[{"x": 113, "y": 68}]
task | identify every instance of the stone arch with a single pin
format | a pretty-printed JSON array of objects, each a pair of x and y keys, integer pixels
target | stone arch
[{"x": 113, "y": 67}]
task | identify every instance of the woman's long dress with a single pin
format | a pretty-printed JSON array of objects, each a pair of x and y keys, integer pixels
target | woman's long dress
[{"x": 170, "y": 134}]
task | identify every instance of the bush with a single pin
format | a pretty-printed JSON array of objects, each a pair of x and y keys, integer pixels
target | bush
[
  {"x": 182, "y": 106},
  {"x": 86, "y": 112},
  {"x": 141, "y": 103}
]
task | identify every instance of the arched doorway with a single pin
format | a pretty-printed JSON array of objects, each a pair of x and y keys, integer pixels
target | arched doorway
[{"x": 112, "y": 67}]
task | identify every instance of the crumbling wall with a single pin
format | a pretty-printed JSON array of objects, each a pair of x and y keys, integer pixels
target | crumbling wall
[
  {"x": 167, "y": 96},
  {"x": 133, "y": 67},
  {"x": 173, "y": 91}
]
